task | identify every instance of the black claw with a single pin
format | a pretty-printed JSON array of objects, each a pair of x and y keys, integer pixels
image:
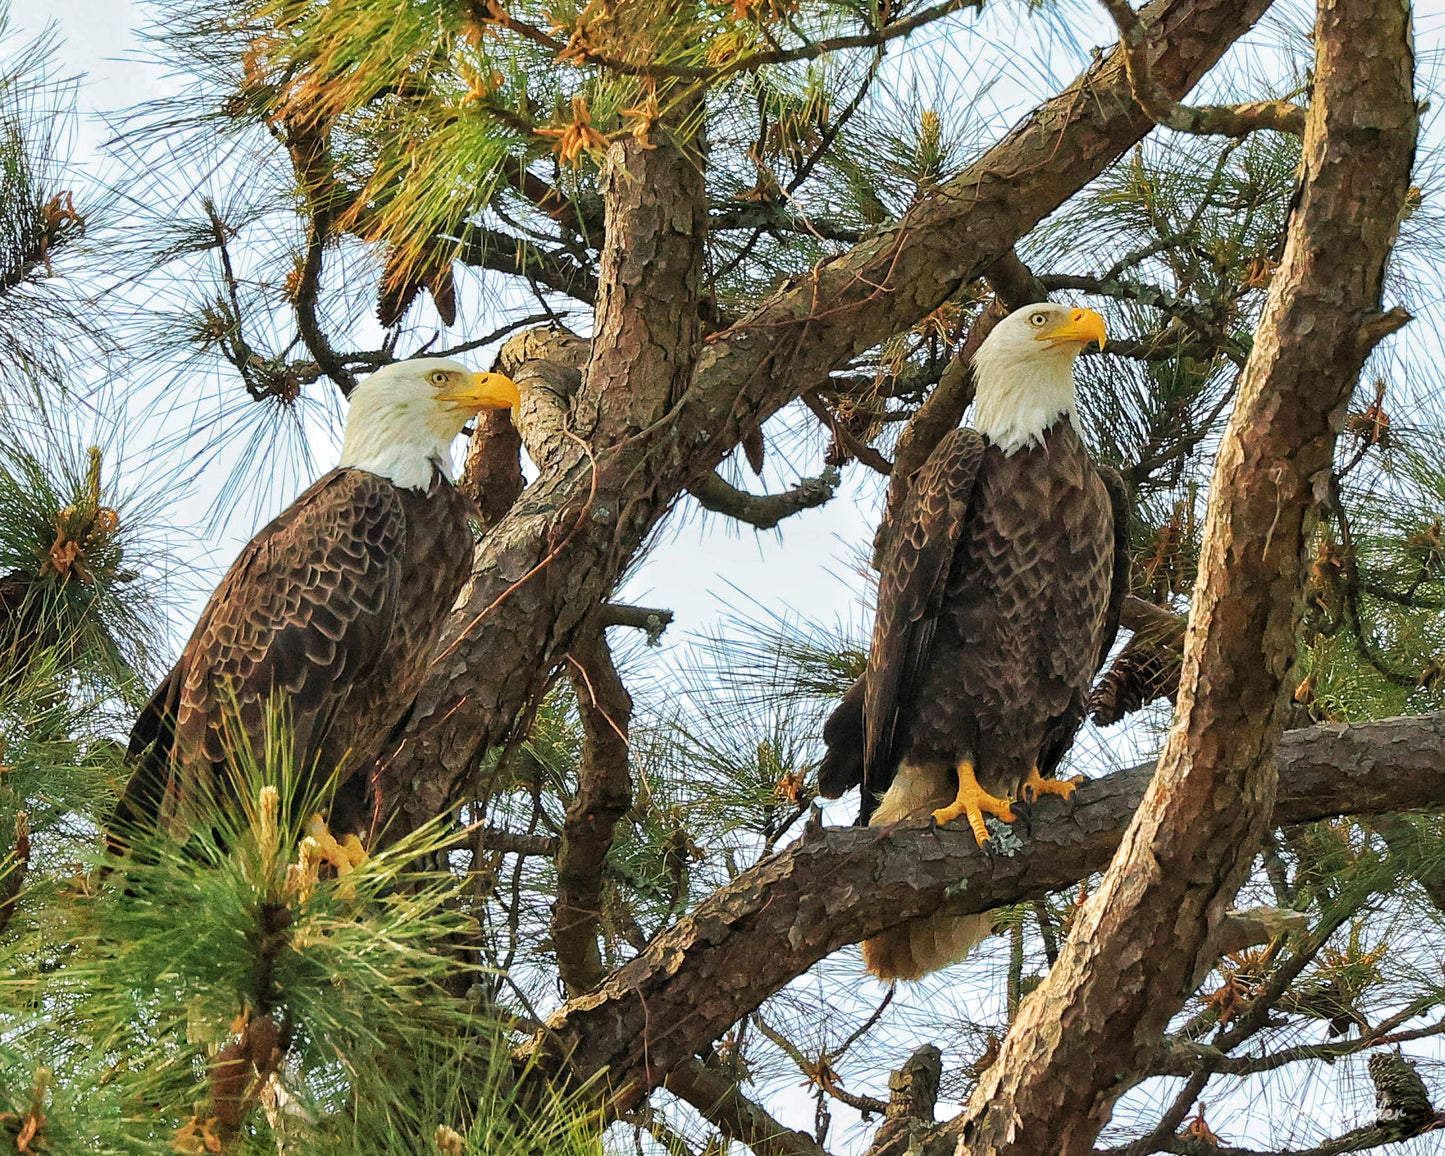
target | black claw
[{"x": 1024, "y": 814}]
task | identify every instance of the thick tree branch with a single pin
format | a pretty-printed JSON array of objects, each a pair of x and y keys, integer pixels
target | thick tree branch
[
  {"x": 1217, "y": 119},
  {"x": 764, "y": 511},
  {"x": 604, "y": 793},
  {"x": 737, "y": 1117},
  {"x": 836, "y": 887},
  {"x": 1150, "y": 931}
]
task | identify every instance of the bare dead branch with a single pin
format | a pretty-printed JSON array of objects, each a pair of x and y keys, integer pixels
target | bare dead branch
[
  {"x": 763, "y": 511},
  {"x": 858, "y": 449},
  {"x": 644, "y": 618},
  {"x": 556, "y": 269}
]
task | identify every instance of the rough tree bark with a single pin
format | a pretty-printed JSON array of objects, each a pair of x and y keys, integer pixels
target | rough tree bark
[
  {"x": 837, "y": 886},
  {"x": 614, "y": 466},
  {"x": 1146, "y": 937}
]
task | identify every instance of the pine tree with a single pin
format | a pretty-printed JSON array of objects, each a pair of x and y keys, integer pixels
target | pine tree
[{"x": 711, "y": 239}]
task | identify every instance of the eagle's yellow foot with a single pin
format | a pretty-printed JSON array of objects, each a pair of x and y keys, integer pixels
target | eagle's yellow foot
[
  {"x": 973, "y": 801},
  {"x": 1036, "y": 785}
]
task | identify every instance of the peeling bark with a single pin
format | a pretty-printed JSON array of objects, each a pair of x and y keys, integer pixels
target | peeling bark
[
  {"x": 839, "y": 886},
  {"x": 1146, "y": 937}
]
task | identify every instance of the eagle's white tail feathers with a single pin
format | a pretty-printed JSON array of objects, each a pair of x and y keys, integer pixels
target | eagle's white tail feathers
[{"x": 913, "y": 949}]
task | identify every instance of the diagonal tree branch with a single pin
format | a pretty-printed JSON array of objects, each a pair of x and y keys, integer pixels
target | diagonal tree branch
[{"x": 836, "y": 887}]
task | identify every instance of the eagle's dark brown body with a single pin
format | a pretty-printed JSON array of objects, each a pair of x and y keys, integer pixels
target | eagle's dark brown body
[
  {"x": 333, "y": 609},
  {"x": 999, "y": 598}
]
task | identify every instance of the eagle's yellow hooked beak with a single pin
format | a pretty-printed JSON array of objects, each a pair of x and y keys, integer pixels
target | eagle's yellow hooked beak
[
  {"x": 1083, "y": 326},
  {"x": 484, "y": 391}
]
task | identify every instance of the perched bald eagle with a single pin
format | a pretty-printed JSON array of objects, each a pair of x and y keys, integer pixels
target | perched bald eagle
[
  {"x": 333, "y": 609},
  {"x": 999, "y": 597}
]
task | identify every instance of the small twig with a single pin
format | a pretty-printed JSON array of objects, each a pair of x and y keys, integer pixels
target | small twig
[{"x": 860, "y": 450}]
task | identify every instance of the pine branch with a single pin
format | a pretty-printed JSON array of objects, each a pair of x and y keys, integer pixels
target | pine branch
[
  {"x": 763, "y": 511},
  {"x": 1210, "y": 120}
]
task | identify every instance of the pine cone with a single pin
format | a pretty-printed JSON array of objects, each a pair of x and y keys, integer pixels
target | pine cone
[{"x": 1400, "y": 1094}]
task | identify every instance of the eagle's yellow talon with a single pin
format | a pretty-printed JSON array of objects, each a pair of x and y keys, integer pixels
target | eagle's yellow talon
[
  {"x": 1036, "y": 785},
  {"x": 973, "y": 801}
]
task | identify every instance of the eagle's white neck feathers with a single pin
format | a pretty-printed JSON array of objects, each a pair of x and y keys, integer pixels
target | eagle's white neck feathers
[
  {"x": 397, "y": 428},
  {"x": 1023, "y": 384},
  {"x": 1017, "y": 401},
  {"x": 394, "y": 448}
]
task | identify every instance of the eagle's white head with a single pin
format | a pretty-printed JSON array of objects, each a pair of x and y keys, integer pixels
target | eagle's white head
[
  {"x": 405, "y": 416},
  {"x": 1024, "y": 372}
]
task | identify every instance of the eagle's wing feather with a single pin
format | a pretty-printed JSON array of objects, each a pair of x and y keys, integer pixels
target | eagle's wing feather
[
  {"x": 911, "y": 585},
  {"x": 303, "y": 612},
  {"x": 1059, "y": 735}
]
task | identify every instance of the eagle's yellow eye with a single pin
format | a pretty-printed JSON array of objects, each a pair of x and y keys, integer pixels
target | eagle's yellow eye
[
  {"x": 438, "y": 377},
  {"x": 1037, "y": 319}
]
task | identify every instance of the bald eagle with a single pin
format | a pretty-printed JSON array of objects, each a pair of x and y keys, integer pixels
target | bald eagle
[
  {"x": 999, "y": 598},
  {"x": 333, "y": 609}
]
